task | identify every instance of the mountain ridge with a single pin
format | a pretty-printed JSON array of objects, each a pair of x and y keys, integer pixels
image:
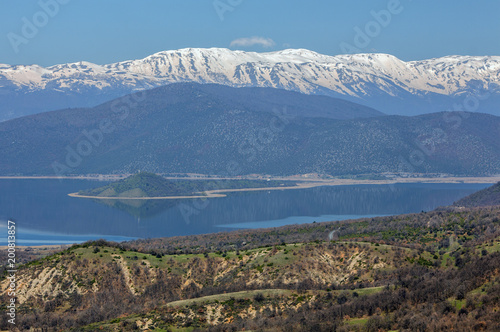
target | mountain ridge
[
  {"x": 487, "y": 197},
  {"x": 380, "y": 81},
  {"x": 197, "y": 128}
]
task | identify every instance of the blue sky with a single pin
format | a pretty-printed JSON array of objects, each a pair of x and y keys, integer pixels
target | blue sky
[{"x": 105, "y": 31}]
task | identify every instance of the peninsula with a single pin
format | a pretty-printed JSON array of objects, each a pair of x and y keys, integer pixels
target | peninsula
[{"x": 147, "y": 186}]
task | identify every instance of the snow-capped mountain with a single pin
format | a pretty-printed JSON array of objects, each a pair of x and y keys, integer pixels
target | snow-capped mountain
[{"x": 378, "y": 80}]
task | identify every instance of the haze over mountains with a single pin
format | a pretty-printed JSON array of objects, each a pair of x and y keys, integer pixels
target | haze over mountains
[
  {"x": 215, "y": 129},
  {"x": 380, "y": 81}
]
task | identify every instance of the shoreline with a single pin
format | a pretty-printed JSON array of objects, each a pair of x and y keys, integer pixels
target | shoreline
[
  {"x": 144, "y": 198},
  {"x": 54, "y": 177},
  {"x": 297, "y": 178},
  {"x": 218, "y": 193},
  {"x": 39, "y": 246},
  {"x": 38, "y": 251}
]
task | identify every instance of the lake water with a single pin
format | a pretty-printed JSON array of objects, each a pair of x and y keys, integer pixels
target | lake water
[{"x": 44, "y": 214}]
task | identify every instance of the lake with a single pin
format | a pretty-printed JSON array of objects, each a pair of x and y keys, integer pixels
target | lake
[{"x": 44, "y": 214}]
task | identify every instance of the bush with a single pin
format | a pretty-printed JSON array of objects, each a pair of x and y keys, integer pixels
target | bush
[{"x": 259, "y": 297}]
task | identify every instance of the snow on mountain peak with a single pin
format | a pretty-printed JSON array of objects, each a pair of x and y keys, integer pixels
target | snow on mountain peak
[{"x": 356, "y": 75}]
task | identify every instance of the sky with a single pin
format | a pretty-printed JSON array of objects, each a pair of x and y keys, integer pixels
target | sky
[{"x": 48, "y": 32}]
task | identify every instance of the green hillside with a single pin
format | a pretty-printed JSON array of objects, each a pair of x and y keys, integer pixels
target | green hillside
[
  {"x": 143, "y": 184},
  {"x": 146, "y": 184},
  {"x": 486, "y": 197},
  {"x": 434, "y": 271}
]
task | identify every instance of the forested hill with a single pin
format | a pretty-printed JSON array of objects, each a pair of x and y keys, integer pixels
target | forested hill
[
  {"x": 144, "y": 184},
  {"x": 434, "y": 271},
  {"x": 486, "y": 197},
  {"x": 192, "y": 128}
]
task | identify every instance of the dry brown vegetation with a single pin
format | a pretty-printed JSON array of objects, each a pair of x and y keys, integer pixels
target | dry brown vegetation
[{"x": 419, "y": 272}]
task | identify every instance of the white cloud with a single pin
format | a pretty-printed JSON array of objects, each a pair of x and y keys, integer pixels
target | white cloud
[{"x": 251, "y": 41}]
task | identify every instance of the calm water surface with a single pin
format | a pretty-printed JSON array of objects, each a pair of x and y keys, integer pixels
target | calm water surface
[{"x": 44, "y": 214}]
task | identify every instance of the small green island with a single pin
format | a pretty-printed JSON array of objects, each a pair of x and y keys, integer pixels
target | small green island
[{"x": 146, "y": 185}]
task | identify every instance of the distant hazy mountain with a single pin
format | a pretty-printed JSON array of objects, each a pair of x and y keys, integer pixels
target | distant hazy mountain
[
  {"x": 380, "y": 81},
  {"x": 195, "y": 128}
]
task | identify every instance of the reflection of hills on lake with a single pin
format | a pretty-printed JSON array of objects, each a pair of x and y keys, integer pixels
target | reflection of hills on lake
[
  {"x": 52, "y": 210},
  {"x": 144, "y": 184},
  {"x": 141, "y": 208}
]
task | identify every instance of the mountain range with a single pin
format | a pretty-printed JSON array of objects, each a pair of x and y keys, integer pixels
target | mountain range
[
  {"x": 215, "y": 129},
  {"x": 380, "y": 81}
]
